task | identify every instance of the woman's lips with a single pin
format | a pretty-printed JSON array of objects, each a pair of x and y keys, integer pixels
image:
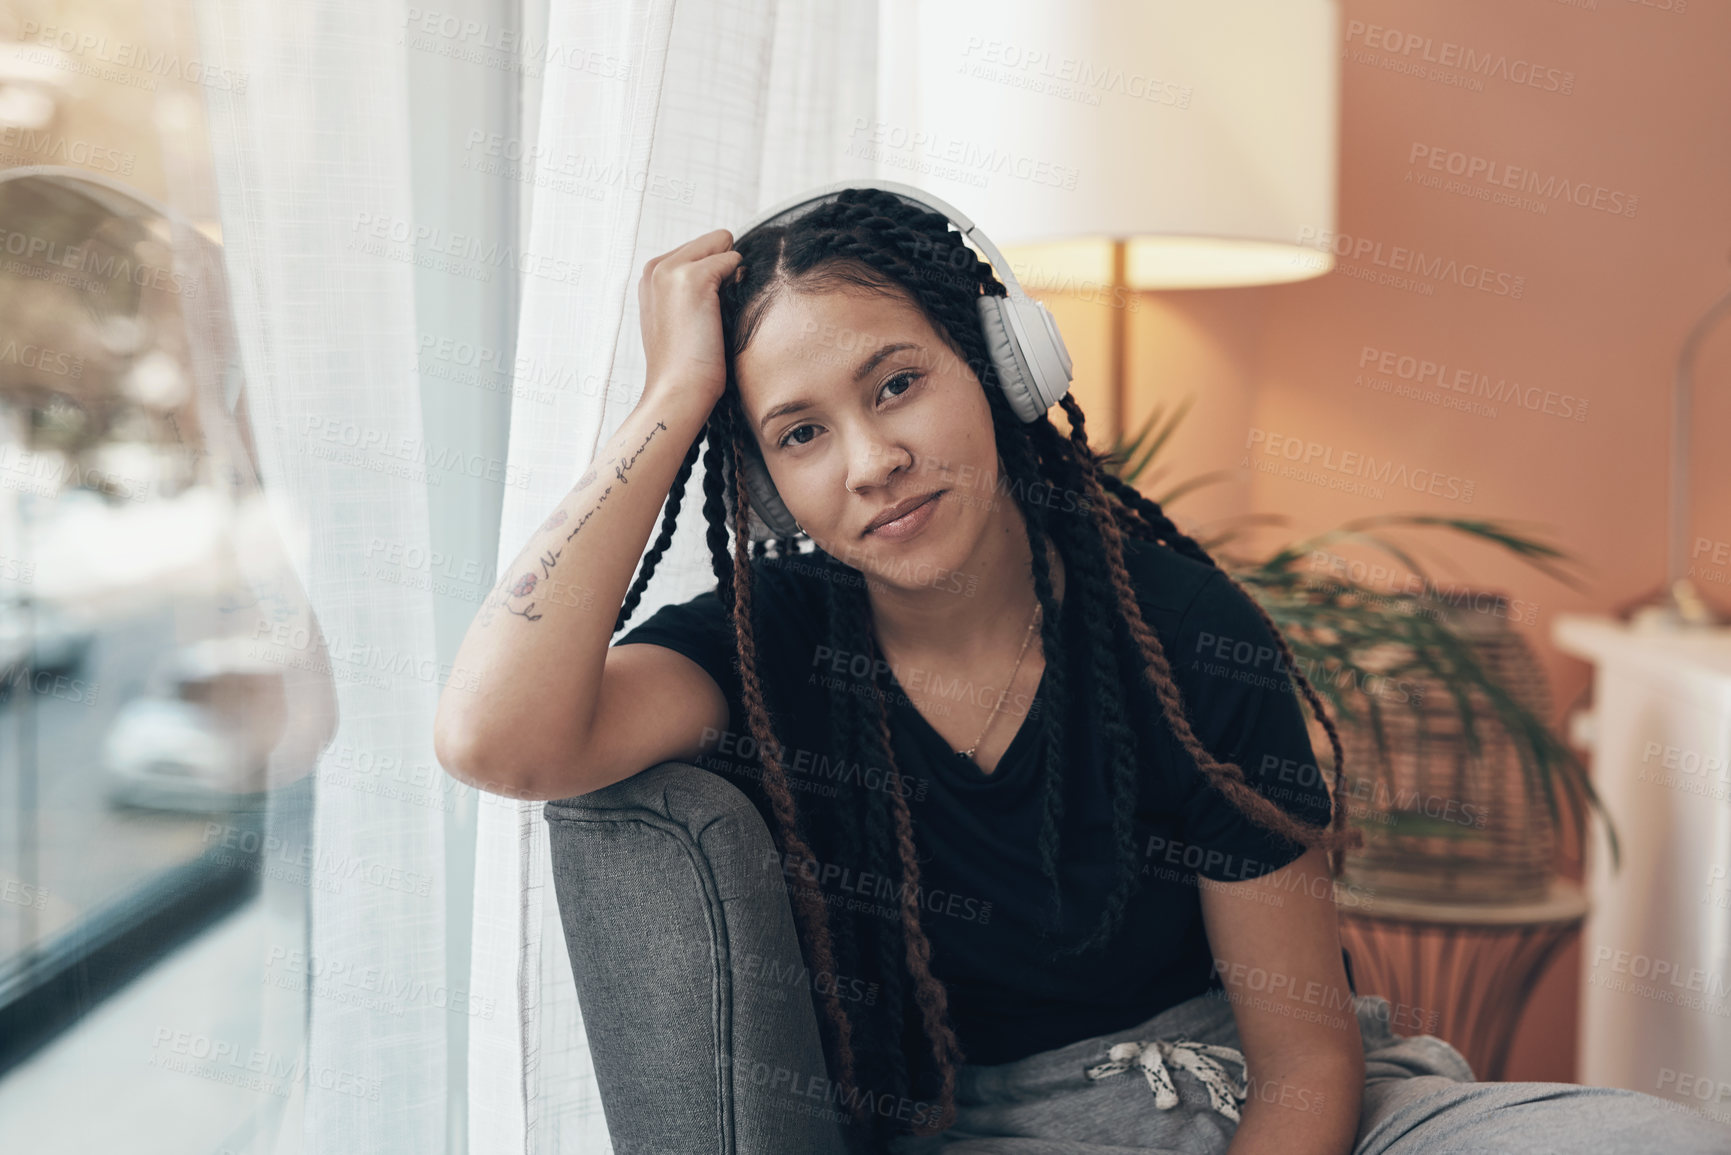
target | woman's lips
[{"x": 909, "y": 523}]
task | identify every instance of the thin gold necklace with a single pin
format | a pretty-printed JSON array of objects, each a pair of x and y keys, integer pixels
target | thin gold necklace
[{"x": 999, "y": 705}]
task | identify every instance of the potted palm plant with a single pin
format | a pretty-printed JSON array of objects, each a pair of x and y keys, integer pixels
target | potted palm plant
[{"x": 1451, "y": 769}]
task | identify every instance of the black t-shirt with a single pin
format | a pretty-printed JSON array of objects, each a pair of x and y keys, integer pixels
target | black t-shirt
[{"x": 985, "y": 901}]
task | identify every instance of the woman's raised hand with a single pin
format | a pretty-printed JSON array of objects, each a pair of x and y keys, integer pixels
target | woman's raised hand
[{"x": 680, "y": 304}]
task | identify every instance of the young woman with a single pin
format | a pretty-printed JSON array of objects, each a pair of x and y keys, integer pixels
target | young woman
[{"x": 1035, "y": 766}]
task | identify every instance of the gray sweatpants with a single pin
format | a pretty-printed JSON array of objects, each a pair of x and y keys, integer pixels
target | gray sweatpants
[{"x": 1174, "y": 1085}]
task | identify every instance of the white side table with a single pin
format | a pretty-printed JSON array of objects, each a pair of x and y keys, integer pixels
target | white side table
[{"x": 1656, "y": 950}]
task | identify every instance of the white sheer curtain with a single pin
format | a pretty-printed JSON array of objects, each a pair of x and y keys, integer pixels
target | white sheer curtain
[
  {"x": 681, "y": 118},
  {"x": 315, "y": 148},
  {"x": 728, "y": 106}
]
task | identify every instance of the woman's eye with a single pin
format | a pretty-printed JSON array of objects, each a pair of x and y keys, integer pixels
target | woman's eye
[{"x": 909, "y": 378}]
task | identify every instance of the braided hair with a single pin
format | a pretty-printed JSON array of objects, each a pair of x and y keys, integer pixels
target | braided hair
[{"x": 873, "y": 240}]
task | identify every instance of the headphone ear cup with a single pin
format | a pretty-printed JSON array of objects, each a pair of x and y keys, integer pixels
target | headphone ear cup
[
  {"x": 1044, "y": 350},
  {"x": 1013, "y": 374},
  {"x": 768, "y": 516},
  {"x": 1032, "y": 375},
  {"x": 755, "y": 529}
]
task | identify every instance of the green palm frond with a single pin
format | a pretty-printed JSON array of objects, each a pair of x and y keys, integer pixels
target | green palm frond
[
  {"x": 1127, "y": 459},
  {"x": 1348, "y": 636}
]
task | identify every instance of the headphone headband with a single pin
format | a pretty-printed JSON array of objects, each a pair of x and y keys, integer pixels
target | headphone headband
[{"x": 969, "y": 230}]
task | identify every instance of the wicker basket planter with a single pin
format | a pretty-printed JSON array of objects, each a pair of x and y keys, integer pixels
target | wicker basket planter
[{"x": 1439, "y": 822}]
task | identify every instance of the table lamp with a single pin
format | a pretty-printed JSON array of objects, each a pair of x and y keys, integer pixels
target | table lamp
[{"x": 1130, "y": 144}]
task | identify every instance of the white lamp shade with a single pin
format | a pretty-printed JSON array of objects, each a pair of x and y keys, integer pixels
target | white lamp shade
[{"x": 1202, "y": 132}]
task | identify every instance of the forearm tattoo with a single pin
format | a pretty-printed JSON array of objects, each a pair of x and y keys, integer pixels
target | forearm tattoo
[{"x": 521, "y": 592}]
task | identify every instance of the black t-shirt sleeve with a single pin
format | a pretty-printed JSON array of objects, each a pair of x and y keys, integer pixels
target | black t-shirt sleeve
[
  {"x": 702, "y": 630},
  {"x": 1244, "y": 707}
]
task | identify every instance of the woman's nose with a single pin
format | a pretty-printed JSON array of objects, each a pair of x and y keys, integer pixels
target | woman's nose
[{"x": 874, "y": 463}]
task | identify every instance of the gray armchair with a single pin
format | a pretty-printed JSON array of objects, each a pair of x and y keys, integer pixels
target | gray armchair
[{"x": 700, "y": 1015}]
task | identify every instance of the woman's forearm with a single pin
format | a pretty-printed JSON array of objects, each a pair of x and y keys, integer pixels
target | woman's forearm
[
  {"x": 532, "y": 659},
  {"x": 1302, "y": 1105}
]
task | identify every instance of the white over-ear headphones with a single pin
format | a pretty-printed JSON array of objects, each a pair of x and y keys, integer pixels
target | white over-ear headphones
[{"x": 1022, "y": 340}]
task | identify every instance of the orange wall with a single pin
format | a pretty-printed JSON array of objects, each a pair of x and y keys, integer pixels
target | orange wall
[{"x": 1603, "y": 301}]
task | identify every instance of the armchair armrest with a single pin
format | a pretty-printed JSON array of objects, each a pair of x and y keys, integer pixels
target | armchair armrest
[{"x": 696, "y": 1001}]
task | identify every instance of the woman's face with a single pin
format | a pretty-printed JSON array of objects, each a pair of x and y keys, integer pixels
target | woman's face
[{"x": 886, "y": 412}]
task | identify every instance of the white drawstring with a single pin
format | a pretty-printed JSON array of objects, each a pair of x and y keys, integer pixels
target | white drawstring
[{"x": 1201, "y": 1059}]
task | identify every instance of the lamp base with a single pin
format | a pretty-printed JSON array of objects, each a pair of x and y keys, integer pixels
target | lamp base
[{"x": 1675, "y": 610}]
